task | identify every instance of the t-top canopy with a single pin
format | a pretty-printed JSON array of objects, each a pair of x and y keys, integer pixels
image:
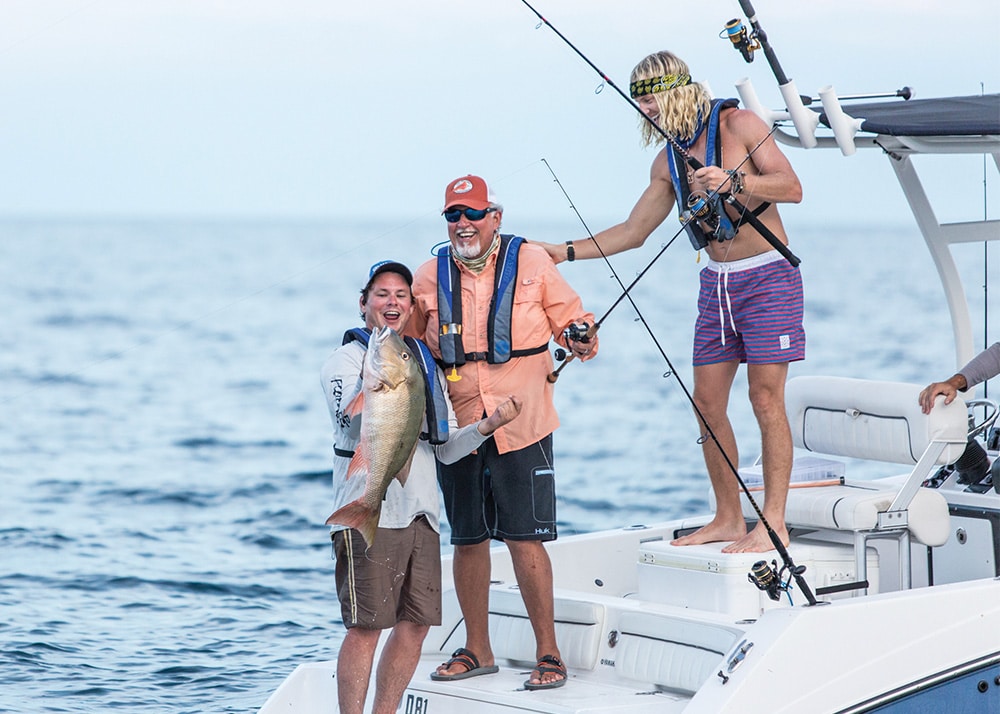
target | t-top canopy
[{"x": 946, "y": 116}]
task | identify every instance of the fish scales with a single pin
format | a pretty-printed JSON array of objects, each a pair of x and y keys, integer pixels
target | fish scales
[{"x": 392, "y": 412}]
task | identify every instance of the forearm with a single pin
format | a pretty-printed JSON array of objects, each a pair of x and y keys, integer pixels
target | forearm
[
  {"x": 773, "y": 188},
  {"x": 749, "y": 186},
  {"x": 616, "y": 239},
  {"x": 461, "y": 442},
  {"x": 983, "y": 366}
]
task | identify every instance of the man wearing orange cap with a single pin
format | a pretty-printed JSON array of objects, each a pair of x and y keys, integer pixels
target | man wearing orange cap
[{"x": 487, "y": 306}]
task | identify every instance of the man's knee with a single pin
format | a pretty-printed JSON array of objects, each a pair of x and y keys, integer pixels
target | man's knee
[
  {"x": 767, "y": 395},
  {"x": 768, "y": 403}
]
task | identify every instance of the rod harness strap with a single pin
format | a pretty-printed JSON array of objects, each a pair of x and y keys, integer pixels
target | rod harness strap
[{"x": 721, "y": 226}]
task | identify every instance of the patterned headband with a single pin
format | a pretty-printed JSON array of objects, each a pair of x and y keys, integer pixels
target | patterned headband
[{"x": 654, "y": 85}]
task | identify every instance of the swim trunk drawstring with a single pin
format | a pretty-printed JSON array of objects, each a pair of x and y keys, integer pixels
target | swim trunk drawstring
[{"x": 722, "y": 287}]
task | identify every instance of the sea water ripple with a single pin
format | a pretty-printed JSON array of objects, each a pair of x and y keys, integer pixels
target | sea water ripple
[{"x": 165, "y": 452}]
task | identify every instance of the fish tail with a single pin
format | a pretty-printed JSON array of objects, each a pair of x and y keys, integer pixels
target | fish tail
[{"x": 357, "y": 515}]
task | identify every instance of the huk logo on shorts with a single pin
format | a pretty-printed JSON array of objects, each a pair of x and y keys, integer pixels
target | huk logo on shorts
[{"x": 542, "y": 531}]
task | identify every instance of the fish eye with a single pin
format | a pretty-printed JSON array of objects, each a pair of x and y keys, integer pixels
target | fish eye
[{"x": 405, "y": 356}]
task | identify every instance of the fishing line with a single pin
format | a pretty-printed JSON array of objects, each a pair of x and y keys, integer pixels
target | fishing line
[
  {"x": 625, "y": 291},
  {"x": 45, "y": 28},
  {"x": 986, "y": 267}
]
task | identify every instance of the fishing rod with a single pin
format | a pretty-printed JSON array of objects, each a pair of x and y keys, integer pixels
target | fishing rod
[
  {"x": 762, "y": 575},
  {"x": 745, "y": 213}
]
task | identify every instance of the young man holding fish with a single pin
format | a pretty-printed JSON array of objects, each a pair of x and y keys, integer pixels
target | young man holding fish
[
  {"x": 389, "y": 561},
  {"x": 513, "y": 301}
]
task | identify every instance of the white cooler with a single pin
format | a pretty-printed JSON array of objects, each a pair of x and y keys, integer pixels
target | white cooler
[{"x": 703, "y": 577}]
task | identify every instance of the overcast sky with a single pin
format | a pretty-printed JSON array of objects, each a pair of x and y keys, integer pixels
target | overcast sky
[{"x": 328, "y": 108}]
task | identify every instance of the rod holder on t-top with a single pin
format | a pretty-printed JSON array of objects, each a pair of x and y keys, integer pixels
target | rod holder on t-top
[
  {"x": 843, "y": 125},
  {"x": 805, "y": 121}
]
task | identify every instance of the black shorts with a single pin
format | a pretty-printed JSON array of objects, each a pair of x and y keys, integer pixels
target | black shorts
[{"x": 508, "y": 496}]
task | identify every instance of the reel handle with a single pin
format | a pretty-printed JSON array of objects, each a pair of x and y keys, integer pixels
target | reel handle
[{"x": 589, "y": 335}]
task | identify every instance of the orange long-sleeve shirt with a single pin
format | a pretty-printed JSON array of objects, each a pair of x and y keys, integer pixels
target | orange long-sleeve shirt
[{"x": 544, "y": 305}]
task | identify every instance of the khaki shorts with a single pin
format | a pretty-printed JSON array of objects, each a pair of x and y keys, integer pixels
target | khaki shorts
[{"x": 398, "y": 578}]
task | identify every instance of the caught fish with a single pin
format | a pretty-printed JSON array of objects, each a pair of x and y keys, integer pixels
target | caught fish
[{"x": 391, "y": 405}]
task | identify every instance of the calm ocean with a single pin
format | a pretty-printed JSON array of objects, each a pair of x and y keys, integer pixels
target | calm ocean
[{"x": 164, "y": 443}]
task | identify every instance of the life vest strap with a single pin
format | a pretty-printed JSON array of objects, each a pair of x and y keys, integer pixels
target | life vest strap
[{"x": 484, "y": 356}]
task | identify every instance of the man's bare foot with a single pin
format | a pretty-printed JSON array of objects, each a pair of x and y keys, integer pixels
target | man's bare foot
[
  {"x": 713, "y": 533},
  {"x": 757, "y": 541}
]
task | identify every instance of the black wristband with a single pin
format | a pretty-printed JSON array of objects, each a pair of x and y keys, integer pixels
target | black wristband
[{"x": 570, "y": 251}]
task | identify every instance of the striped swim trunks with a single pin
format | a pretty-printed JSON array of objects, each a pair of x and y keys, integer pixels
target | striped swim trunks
[{"x": 750, "y": 310}]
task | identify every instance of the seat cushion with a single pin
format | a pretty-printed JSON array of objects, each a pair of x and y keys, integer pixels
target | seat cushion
[{"x": 855, "y": 506}]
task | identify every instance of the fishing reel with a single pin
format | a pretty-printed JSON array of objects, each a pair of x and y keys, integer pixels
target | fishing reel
[
  {"x": 577, "y": 333},
  {"x": 768, "y": 578},
  {"x": 707, "y": 209},
  {"x": 573, "y": 333},
  {"x": 742, "y": 40}
]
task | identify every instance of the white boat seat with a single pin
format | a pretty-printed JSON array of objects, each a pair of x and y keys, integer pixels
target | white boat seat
[
  {"x": 579, "y": 624},
  {"x": 673, "y": 653},
  {"x": 880, "y": 421},
  {"x": 866, "y": 419},
  {"x": 856, "y": 506}
]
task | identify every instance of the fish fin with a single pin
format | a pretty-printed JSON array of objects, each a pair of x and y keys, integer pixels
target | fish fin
[
  {"x": 404, "y": 473},
  {"x": 357, "y": 403},
  {"x": 358, "y": 464},
  {"x": 358, "y": 516}
]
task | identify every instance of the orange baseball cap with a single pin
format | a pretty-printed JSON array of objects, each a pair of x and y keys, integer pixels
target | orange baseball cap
[{"x": 469, "y": 191}]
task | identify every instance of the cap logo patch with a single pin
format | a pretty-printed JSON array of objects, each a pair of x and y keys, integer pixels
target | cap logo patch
[{"x": 462, "y": 186}]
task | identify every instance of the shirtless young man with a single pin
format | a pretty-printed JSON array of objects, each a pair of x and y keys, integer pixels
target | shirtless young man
[{"x": 750, "y": 304}]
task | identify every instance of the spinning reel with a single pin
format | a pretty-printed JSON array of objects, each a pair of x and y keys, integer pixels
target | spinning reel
[{"x": 768, "y": 578}]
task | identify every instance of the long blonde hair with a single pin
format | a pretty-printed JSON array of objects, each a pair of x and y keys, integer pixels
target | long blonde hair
[{"x": 680, "y": 107}]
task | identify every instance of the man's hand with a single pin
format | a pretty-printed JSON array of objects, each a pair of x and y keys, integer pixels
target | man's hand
[
  {"x": 556, "y": 251},
  {"x": 949, "y": 389},
  {"x": 504, "y": 414},
  {"x": 584, "y": 350}
]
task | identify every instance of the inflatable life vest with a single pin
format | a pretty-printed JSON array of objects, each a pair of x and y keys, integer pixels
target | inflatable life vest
[
  {"x": 436, "y": 406},
  {"x": 727, "y": 228},
  {"x": 449, "y": 284}
]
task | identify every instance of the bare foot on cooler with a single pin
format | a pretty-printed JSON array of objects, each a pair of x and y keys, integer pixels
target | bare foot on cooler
[
  {"x": 713, "y": 533},
  {"x": 757, "y": 541}
]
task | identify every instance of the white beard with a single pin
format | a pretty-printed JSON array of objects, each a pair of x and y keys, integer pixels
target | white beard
[{"x": 470, "y": 251}]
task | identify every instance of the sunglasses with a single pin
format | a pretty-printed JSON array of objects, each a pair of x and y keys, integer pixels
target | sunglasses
[{"x": 473, "y": 214}]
